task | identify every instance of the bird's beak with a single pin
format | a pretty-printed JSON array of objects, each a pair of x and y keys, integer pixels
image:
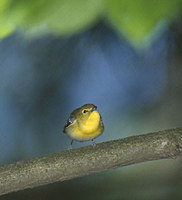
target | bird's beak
[{"x": 94, "y": 108}]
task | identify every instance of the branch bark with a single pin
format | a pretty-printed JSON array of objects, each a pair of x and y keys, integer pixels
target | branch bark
[{"x": 86, "y": 160}]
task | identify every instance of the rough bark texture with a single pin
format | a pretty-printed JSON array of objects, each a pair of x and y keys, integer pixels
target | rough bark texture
[{"x": 86, "y": 160}]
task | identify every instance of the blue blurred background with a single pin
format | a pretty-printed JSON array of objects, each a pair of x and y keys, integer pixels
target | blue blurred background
[
  {"x": 42, "y": 81},
  {"x": 136, "y": 90}
]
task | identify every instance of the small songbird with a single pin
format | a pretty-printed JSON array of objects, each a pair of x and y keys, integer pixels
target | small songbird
[{"x": 85, "y": 123}]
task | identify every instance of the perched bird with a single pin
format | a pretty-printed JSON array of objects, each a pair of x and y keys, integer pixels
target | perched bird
[{"x": 85, "y": 123}]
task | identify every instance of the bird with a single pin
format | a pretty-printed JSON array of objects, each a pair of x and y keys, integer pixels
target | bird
[{"x": 84, "y": 124}]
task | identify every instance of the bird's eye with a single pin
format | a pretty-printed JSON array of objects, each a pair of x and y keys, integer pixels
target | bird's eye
[{"x": 84, "y": 111}]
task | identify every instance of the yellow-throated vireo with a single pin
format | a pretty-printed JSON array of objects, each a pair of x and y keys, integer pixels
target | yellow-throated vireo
[{"x": 85, "y": 123}]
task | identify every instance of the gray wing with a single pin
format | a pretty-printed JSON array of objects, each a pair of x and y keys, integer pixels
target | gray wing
[{"x": 69, "y": 122}]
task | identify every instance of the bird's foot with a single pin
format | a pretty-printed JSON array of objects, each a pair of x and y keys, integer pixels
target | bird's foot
[{"x": 93, "y": 144}]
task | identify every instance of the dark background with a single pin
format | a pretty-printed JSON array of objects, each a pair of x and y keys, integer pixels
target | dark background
[{"x": 137, "y": 90}]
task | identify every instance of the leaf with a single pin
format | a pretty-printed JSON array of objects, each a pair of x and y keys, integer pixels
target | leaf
[
  {"x": 11, "y": 15},
  {"x": 5, "y": 28},
  {"x": 137, "y": 20},
  {"x": 62, "y": 16}
]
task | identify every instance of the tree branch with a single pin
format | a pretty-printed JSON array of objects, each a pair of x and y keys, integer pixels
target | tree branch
[{"x": 86, "y": 160}]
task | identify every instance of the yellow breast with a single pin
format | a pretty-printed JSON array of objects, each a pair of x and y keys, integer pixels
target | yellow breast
[
  {"x": 87, "y": 130},
  {"x": 91, "y": 124}
]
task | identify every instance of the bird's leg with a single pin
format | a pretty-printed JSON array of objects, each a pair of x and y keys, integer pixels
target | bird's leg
[
  {"x": 70, "y": 146},
  {"x": 93, "y": 143}
]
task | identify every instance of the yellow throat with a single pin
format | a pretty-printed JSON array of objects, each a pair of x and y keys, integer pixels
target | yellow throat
[{"x": 91, "y": 124}]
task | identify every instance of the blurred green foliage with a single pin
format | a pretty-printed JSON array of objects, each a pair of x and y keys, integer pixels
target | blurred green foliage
[
  {"x": 138, "y": 19},
  {"x": 135, "y": 20}
]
